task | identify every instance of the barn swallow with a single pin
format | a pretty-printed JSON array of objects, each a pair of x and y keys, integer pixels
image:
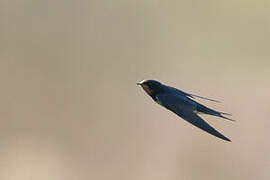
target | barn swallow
[{"x": 182, "y": 104}]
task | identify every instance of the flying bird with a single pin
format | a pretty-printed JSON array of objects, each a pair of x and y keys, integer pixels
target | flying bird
[{"x": 182, "y": 104}]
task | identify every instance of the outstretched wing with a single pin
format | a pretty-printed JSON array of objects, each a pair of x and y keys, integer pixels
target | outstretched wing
[
  {"x": 185, "y": 109},
  {"x": 193, "y": 95},
  {"x": 197, "y": 121}
]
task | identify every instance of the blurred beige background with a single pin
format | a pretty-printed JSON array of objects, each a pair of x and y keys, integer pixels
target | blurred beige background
[{"x": 70, "y": 108}]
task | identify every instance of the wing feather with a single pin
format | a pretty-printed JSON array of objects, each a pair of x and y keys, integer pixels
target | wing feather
[{"x": 185, "y": 109}]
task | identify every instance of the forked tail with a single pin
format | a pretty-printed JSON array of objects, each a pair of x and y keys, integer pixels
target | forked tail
[{"x": 203, "y": 109}]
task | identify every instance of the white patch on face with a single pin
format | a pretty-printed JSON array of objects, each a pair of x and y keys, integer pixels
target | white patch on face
[{"x": 142, "y": 81}]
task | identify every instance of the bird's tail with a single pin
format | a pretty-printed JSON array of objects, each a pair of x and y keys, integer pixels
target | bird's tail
[
  {"x": 203, "y": 109},
  {"x": 224, "y": 117}
]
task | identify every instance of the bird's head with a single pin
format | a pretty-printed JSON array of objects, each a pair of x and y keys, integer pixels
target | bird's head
[{"x": 151, "y": 87}]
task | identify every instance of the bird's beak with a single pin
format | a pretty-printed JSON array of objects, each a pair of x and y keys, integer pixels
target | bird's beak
[{"x": 138, "y": 83}]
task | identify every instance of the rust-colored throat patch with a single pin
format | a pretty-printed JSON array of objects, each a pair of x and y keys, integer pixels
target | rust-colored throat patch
[{"x": 147, "y": 89}]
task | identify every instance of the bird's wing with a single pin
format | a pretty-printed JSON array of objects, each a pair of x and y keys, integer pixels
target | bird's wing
[
  {"x": 184, "y": 109},
  {"x": 193, "y": 95}
]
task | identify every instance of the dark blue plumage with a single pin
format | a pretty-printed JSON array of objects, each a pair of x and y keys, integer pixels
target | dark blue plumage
[{"x": 181, "y": 104}]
